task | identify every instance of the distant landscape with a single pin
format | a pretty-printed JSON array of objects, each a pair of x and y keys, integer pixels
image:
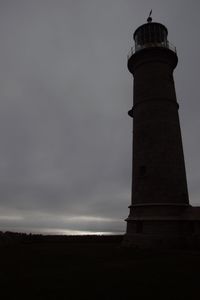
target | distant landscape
[{"x": 9, "y": 237}]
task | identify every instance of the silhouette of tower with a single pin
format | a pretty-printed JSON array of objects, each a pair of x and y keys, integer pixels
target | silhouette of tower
[{"x": 159, "y": 211}]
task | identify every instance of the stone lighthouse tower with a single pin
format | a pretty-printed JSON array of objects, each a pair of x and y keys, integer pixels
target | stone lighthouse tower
[{"x": 159, "y": 212}]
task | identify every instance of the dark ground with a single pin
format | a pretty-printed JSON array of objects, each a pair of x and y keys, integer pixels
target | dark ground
[{"x": 37, "y": 267}]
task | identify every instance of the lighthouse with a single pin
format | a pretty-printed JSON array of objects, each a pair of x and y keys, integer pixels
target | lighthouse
[{"x": 160, "y": 213}]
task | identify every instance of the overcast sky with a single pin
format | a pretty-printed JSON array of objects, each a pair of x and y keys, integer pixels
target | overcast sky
[{"x": 65, "y": 136}]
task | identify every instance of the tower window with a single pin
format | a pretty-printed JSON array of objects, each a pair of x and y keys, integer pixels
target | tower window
[
  {"x": 139, "y": 227},
  {"x": 142, "y": 170}
]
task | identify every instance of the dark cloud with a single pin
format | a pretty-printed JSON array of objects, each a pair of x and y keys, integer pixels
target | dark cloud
[{"x": 65, "y": 137}]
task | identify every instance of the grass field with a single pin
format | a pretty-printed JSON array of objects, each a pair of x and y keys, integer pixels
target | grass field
[{"x": 88, "y": 268}]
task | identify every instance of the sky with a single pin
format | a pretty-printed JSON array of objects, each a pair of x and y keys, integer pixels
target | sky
[{"x": 65, "y": 136}]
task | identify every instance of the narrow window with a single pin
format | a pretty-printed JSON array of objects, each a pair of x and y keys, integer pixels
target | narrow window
[
  {"x": 139, "y": 227},
  {"x": 142, "y": 170}
]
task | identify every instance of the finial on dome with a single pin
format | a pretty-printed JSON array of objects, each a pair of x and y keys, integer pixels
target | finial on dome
[{"x": 149, "y": 19}]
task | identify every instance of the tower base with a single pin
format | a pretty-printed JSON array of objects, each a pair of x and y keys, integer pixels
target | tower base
[{"x": 180, "y": 229}]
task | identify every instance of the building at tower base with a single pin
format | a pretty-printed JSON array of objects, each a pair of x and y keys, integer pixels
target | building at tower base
[{"x": 160, "y": 213}]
